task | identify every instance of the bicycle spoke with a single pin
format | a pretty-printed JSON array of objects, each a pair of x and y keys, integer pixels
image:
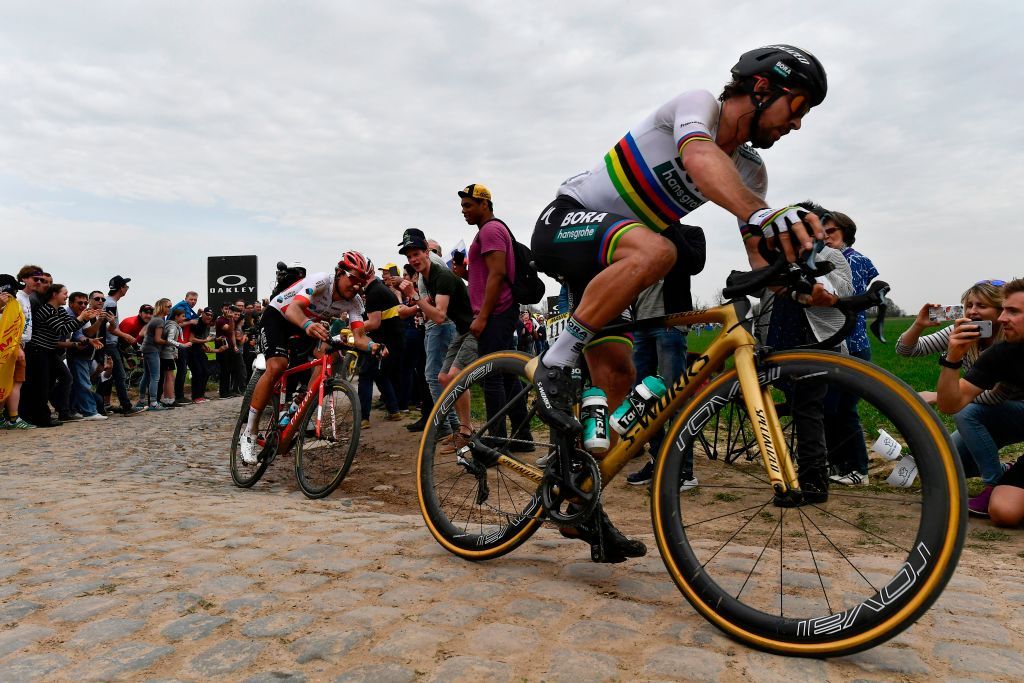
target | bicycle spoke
[
  {"x": 758, "y": 560},
  {"x": 836, "y": 548},
  {"x": 817, "y": 569},
  {"x": 859, "y": 528}
]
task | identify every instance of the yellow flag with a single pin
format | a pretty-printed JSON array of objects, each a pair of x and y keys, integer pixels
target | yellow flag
[{"x": 12, "y": 324}]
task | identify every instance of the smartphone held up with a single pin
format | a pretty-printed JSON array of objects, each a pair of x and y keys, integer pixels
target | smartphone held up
[{"x": 938, "y": 314}]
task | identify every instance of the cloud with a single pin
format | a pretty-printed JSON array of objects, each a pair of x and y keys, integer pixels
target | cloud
[{"x": 165, "y": 132}]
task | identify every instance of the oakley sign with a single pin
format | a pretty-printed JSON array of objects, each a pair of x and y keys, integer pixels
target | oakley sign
[{"x": 231, "y": 278}]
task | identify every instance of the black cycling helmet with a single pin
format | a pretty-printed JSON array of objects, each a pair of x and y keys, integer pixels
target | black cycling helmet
[{"x": 785, "y": 65}]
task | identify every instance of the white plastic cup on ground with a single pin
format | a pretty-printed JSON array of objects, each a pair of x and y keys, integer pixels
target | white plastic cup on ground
[
  {"x": 904, "y": 474},
  {"x": 886, "y": 446}
]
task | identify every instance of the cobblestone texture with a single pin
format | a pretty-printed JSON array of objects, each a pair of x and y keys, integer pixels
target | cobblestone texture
[{"x": 149, "y": 565}]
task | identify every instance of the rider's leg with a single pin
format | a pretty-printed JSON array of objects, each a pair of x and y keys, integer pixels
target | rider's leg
[
  {"x": 640, "y": 258},
  {"x": 610, "y": 360},
  {"x": 611, "y": 363},
  {"x": 261, "y": 392}
]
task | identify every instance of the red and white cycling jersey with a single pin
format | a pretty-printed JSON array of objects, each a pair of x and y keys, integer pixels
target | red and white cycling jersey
[{"x": 316, "y": 290}]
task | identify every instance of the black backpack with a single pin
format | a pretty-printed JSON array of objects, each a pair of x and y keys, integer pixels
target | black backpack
[{"x": 527, "y": 287}]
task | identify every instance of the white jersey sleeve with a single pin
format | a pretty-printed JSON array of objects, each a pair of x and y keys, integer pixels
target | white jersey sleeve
[
  {"x": 643, "y": 175},
  {"x": 691, "y": 116},
  {"x": 316, "y": 292}
]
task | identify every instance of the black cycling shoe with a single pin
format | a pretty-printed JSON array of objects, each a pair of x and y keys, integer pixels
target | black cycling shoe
[
  {"x": 607, "y": 544},
  {"x": 554, "y": 395}
]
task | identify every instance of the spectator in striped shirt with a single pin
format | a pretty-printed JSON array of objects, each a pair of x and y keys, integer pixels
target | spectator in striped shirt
[
  {"x": 975, "y": 421},
  {"x": 50, "y": 324}
]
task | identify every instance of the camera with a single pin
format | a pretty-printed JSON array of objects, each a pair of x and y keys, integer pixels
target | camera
[
  {"x": 938, "y": 314},
  {"x": 984, "y": 328}
]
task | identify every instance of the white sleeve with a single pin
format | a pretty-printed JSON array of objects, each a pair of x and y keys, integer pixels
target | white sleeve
[{"x": 694, "y": 116}]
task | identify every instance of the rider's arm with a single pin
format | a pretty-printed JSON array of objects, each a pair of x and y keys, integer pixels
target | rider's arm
[
  {"x": 297, "y": 312},
  {"x": 716, "y": 176}
]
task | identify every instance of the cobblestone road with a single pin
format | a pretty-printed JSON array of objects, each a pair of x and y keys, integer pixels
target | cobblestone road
[{"x": 127, "y": 554}]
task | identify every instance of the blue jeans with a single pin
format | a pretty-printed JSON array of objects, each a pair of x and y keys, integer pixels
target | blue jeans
[
  {"x": 981, "y": 431},
  {"x": 83, "y": 400},
  {"x": 120, "y": 378},
  {"x": 661, "y": 352},
  {"x": 847, "y": 450},
  {"x": 150, "y": 377},
  {"x": 437, "y": 340}
]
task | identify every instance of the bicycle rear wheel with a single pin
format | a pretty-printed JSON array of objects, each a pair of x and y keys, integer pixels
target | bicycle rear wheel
[
  {"x": 322, "y": 463},
  {"x": 243, "y": 474},
  {"x": 477, "y": 509},
  {"x": 819, "y": 580}
]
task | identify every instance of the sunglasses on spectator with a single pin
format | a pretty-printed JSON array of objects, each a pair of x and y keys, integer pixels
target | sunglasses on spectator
[
  {"x": 829, "y": 231},
  {"x": 99, "y": 298},
  {"x": 994, "y": 283},
  {"x": 147, "y": 310}
]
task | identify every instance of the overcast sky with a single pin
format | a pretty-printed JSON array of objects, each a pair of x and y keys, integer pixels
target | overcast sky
[{"x": 141, "y": 138}]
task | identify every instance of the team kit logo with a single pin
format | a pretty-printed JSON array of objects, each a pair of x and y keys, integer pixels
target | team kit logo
[{"x": 573, "y": 230}]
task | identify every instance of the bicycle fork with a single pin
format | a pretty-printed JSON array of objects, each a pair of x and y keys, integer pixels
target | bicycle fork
[{"x": 775, "y": 456}]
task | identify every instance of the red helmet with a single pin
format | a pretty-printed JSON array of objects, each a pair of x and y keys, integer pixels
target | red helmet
[{"x": 357, "y": 267}]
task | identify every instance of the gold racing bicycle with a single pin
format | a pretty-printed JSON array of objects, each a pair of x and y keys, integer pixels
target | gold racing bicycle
[{"x": 816, "y": 580}]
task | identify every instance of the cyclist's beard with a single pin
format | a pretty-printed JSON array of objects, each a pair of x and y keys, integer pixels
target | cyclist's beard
[{"x": 759, "y": 138}]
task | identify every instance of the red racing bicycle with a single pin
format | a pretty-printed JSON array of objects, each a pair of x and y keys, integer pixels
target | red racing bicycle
[{"x": 325, "y": 439}]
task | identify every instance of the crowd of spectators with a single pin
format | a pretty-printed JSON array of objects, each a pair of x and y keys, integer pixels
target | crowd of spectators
[{"x": 63, "y": 355}]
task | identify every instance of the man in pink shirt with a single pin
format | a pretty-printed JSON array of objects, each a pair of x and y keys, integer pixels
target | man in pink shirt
[{"x": 491, "y": 263}]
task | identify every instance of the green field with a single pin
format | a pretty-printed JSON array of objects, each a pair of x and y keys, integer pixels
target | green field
[{"x": 920, "y": 373}]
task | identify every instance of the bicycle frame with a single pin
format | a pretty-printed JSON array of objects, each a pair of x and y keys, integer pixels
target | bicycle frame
[
  {"x": 290, "y": 430},
  {"x": 735, "y": 340}
]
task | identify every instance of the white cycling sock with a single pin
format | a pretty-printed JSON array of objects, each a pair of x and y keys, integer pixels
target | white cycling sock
[
  {"x": 254, "y": 417},
  {"x": 568, "y": 346}
]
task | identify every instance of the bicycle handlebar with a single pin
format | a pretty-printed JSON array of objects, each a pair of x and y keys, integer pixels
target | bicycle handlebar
[
  {"x": 799, "y": 278},
  {"x": 338, "y": 342}
]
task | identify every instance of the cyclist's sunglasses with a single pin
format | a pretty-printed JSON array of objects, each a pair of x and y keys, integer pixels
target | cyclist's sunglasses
[
  {"x": 799, "y": 104},
  {"x": 994, "y": 283},
  {"x": 357, "y": 281}
]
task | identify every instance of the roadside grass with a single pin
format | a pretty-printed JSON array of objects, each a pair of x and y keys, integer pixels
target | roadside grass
[{"x": 920, "y": 373}]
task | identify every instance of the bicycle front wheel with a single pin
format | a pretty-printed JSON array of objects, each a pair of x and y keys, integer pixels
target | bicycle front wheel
[
  {"x": 243, "y": 474},
  {"x": 824, "y": 579},
  {"x": 479, "y": 509},
  {"x": 321, "y": 462}
]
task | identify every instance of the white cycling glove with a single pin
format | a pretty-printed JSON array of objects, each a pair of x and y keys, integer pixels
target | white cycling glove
[{"x": 774, "y": 222}]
